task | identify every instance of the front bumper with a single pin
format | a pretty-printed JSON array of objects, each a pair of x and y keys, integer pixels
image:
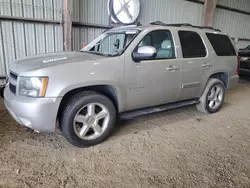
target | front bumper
[
  {"x": 244, "y": 72},
  {"x": 38, "y": 114},
  {"x": 244, "y": 68}
]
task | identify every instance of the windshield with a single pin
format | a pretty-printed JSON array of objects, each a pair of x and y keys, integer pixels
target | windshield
[
  {"x": 111, "y": 43},
  {"x": 248, "y": 48}
]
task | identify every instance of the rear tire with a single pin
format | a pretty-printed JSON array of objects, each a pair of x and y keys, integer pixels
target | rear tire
[
  {"x": 88, "y": 119},
  {"x": 212, "y": 98}
]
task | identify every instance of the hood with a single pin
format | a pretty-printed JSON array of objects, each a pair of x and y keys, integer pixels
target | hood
[
  {"x": 41, "y": 61},
  {"x": 244, "y": 53}
]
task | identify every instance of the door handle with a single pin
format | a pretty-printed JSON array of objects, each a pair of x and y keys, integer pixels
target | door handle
[
  {"x": 206, "y": 65},
  {"x": 172, "y": 68}
]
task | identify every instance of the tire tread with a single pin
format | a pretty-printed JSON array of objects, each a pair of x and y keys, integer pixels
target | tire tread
[
  {"x": 64, "y": 120},
  {"x": 202, "y": 106}
]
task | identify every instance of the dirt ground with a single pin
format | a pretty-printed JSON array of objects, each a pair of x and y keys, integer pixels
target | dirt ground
[{"x": 177, "y": 148}]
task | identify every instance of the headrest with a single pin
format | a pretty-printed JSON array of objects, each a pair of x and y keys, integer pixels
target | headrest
[{"x": 166, "y": 44}]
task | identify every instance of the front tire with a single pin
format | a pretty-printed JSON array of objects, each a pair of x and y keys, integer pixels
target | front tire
[
  {"x": 88, "y": 119},
  {"x": 212, "y": 98}
]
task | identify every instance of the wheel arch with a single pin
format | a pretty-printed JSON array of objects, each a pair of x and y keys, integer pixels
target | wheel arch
[
  {"x": 222, "y": 76},
  {"x": 108, "y": 90}
]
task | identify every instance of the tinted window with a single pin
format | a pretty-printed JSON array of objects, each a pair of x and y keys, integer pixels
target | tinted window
[
  {"x": 192, "y": 44},
  {"x": 221, "y": 44},
  {"x": 162, "y": 41}
]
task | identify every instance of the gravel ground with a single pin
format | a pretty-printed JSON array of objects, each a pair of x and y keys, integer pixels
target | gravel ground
[{"x": 177, "y": 148}]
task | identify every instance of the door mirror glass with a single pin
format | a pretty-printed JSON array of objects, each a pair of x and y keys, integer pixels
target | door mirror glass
[{"x": 144, "y": 53}]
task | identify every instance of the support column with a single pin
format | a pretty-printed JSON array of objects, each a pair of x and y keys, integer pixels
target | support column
[
  {"x": 208, "y": 12},
  {"x": 67, "y": 25}
]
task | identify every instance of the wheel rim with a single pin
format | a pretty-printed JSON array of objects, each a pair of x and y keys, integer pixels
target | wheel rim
[
  {"x": 215, "y": 97},
  {"x": 91, "y": 121}
]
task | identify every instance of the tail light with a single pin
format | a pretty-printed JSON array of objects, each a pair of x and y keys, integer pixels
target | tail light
[{"x": 238, "y": 65}]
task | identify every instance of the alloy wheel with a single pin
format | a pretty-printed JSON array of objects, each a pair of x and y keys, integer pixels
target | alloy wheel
[
  {"x": 215, "y": 97},
  {"x": 91, "y": 121}
]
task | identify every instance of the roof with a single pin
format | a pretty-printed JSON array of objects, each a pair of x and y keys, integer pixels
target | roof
[{"x": 159, "y": 25}]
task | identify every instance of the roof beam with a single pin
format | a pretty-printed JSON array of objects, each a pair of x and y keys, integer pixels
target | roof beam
[
  {"x": 208, "y": 12},
  {"x": 67, "y": 25}
]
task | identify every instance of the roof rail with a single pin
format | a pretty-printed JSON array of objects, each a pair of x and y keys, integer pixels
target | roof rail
[
  {"x": 157, "y": 23},
  {"x": 206, "y": 27},
  {"x": 180, "y": 24},
  {"x": 183, "y": 25}
]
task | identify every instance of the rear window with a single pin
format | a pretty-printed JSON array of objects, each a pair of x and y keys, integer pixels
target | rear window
[
  {"x": 192, "y": 44},
  {"x": 221, "y": 44}
]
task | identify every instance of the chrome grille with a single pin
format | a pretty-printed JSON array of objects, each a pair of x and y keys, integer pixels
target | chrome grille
[{"x": 12, "y": 88}]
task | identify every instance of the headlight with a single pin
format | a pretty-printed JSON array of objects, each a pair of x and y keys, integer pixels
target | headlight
[
  {"x": 33, "y": 86},
  {"x": 244, "y": 58}
]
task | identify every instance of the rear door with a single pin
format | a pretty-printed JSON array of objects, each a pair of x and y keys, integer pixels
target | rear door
[{"x": 196, "y": 64}]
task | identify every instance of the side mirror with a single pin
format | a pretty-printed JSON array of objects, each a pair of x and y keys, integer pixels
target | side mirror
[
  {"x": 117, "y": 43},
  {"x": 241, "y": 49},
  {"x": 144, "y": 53}
]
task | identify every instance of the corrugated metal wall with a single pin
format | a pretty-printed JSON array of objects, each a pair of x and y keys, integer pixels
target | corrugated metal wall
[
  {"x": 95, "y": 11},
  {"x": 171, "y": 11},
  {"x": 242, "y": 44},
  {"x": 18, "y": 40},
  {"x": 88, "y": 11},
  {"x": 237, "y": 4},
  {"x": 84, "y": 35},
  {"x": 44, "y": 9},
  {"x": 235, "y": 24},
  {"x": 22, "y": 39}
]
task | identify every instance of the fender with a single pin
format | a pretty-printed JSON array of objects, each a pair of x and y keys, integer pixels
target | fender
[{"x": 120, "y": 90}]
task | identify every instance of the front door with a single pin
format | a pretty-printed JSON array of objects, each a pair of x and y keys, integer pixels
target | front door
[{"x": 154, "y": 81}]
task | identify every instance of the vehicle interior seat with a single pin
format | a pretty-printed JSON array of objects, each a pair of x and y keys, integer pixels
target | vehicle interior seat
[{"x": 166, "y": 50}]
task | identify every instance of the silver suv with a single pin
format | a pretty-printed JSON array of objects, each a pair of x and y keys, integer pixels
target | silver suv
[{"x": 126, "y": 71}]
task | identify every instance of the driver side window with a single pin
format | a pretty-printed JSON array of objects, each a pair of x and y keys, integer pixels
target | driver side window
[{"x": 162, "y": 41}]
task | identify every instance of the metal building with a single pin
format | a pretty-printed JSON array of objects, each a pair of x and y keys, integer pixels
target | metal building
[{"x": 29, "y": 27}]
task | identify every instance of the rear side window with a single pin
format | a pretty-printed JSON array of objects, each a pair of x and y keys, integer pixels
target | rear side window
[
  {"x": 221, "y": 44},
  {"x": 192, "y": 44}
]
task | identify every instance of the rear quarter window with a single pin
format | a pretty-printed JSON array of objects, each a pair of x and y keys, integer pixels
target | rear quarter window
[{"x": 222, "y": 44}]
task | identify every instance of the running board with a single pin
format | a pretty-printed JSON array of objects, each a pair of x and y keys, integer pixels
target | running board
[{"x": 155, "y": 109}]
